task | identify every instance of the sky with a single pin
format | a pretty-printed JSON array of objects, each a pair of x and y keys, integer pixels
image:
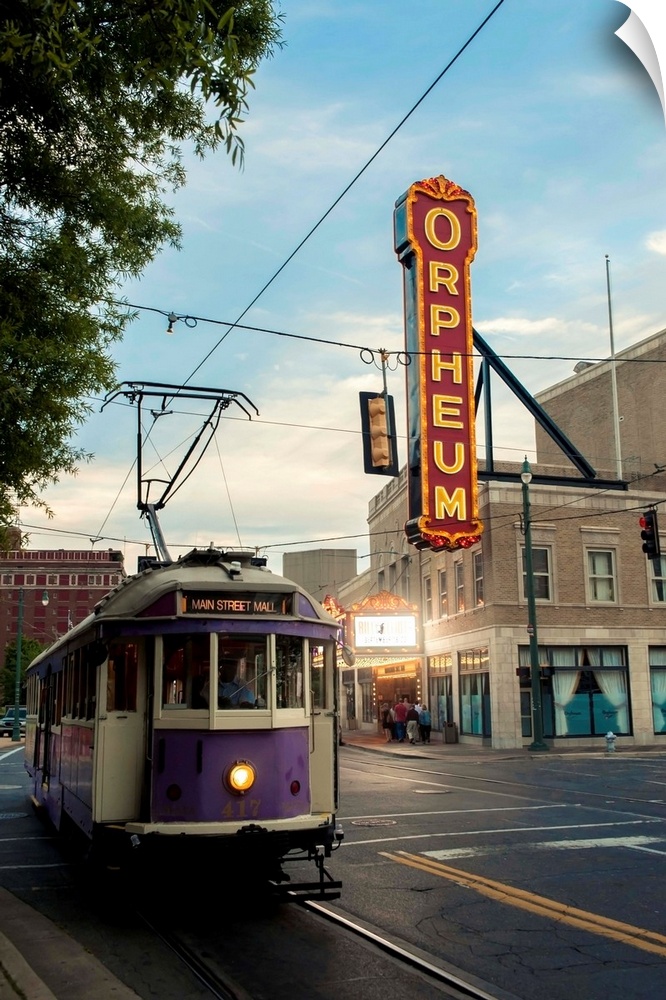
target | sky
[{"x": 547, "y": 119}]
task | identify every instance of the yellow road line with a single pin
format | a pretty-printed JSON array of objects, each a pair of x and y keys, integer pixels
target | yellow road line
[{"x": 637, "y": 937}]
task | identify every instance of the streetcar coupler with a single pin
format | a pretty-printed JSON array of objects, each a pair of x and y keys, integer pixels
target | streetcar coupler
[{"x": 325, "y": 888}]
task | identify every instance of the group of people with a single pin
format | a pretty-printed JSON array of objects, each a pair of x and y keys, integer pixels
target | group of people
[{"x": 406, "y": 720}]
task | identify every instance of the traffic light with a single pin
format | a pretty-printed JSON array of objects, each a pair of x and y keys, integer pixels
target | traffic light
[
  {"x": 650, "y": 534},
  {"x": 380, "y": 454}
]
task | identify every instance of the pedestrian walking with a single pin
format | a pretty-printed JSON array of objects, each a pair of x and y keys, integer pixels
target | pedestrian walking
[
  {"x": 400, "y": 710},
  {"x": 412, "y": 724},
  {"x": 425, "y": 724},
  {"x": 387, "y": 721}
]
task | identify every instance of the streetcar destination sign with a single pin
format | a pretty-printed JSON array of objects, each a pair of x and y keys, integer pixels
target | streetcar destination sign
[
  {"x": 206, "y": 603},
  {"x": 435, "y": 239}
]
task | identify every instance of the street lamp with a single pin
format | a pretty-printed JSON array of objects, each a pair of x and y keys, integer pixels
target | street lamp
[
  {"x": 535, "y": 674},
  {"x": 16, "y": 728}
]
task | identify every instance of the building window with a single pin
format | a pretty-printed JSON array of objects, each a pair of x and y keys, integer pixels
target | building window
[
  {"x": 441, "y": 690},
  {"x": 658, "y": 580},
  {"x": 381, "y": 581},
  {"x": 404, "y": 576},
  {"x": 443, "y": 607},
  {"x": 95, "y": 580},
  {"x": 658, "y": 687},
  {"x": 540, "y": 573},
  {"x": 474, "y": 673},
  {"x": 478, "y": 579},
  {"x": 7, "y": 579},
  {"x": 584, "y": 690},
  {"x": 601, "y": 574},
  {"x": 52, "y": 580},
  {"x": 427, "y": 598},
  {"x": 367, "y": 703},
  {"x": 30, "y": 580},
  {"x": 460, "y": 587}
]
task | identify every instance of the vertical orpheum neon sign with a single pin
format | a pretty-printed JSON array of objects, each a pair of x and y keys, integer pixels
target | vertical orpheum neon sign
[{"x": 435, "y": 239}]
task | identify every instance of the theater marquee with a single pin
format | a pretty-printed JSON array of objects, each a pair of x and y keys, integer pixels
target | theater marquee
[{"x": 435, "y": 239}]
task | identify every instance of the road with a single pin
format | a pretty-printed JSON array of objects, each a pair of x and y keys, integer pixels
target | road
[
  {"x": 540, "y": 876},
  {"x": 544, "y": 876}
]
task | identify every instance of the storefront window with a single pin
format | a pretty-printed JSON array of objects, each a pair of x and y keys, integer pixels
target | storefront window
[
  {"x": 475, "y": 717},
  {"x": 585, "y": 690},
  {"x": 658, "y": 687}
]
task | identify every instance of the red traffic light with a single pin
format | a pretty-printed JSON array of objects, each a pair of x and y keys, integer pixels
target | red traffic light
[{"x": 650, "y": 534}]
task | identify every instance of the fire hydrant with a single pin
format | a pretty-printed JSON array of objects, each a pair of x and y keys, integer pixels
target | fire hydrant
[{"x": 610, "y": 742}]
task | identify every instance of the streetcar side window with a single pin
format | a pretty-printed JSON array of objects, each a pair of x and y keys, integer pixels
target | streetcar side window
[
  {"x": 122, "y": 670},
  {"x": 185, "y": 670},
  {"x": 320, "y": 669},
  {"x": 89, "y": 669},
  {"x": 289, "y": 675}
]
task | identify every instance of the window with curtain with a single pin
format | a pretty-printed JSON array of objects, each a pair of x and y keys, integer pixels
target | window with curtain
[
  {"x": 427, "y": 598},
  {"x": 601, "y": 575},
  {"x": 658, "y": 580},
  {"x": 658, "y": 687},
  {"x": 474, "y": 682},
  {"x": 585, "y": 690},
  {"x": 478, "y": 579},
  {"x": 540, "y": 573},
  {"x": 460, "y": 587},
  {"x": 443, "y": 595}
]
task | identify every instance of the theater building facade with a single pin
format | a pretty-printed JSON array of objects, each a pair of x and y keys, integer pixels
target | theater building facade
[{"x": 600, "y": 603}]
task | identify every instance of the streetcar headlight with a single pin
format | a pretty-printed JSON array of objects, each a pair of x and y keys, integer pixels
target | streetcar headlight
[{"x": 240, "y": 777}]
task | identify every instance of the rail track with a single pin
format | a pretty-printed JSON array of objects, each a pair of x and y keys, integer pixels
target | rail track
[{"x": 446, "y": 982}]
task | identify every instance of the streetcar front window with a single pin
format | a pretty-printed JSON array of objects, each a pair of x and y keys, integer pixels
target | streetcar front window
[
  {"x": 242, "y": 676},
  {"x": 289, "y": 675},
  {"x": 185, "y": 671}
]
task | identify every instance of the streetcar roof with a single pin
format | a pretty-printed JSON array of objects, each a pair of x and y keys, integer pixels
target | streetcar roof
[{"x": 200, "y": 570}]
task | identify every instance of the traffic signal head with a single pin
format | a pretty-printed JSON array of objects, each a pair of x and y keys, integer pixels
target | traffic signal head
[
  {"x": 379, "y": 437},
  {"x": 650, "y": 534}
]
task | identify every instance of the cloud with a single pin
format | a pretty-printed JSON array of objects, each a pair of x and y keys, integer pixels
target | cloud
[
  {"x": 657, "y": 241},
  {"x": 516, "y": 326}
]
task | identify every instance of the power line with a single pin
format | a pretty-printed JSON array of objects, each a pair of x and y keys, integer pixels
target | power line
[
  {"x": 363, "y": 348},
  {"x": 348, "y": 187}
]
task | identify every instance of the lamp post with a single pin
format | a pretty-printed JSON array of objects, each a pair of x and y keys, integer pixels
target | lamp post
[
  {"x": 535, "y": 675},
  {"x": 16, "y": 728}
]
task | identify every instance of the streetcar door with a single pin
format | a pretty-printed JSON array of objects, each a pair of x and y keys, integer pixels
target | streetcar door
[
  {"x": 324, "y": 722},
  {"x": 45, "y": 719},
  {"x": 120, "y": 749}
]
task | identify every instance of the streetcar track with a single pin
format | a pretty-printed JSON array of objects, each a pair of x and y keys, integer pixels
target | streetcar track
[
  {"x": 219, "y": 986},
  {"x": 450, "y": 982},
  {"x": 457, "y": 987}
]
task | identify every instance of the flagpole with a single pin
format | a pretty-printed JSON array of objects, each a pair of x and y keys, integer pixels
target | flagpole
[{"x": 616, "y": 410}]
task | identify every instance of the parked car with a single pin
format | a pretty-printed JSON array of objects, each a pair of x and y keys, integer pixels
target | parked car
[{"x": 7, "y": 722}]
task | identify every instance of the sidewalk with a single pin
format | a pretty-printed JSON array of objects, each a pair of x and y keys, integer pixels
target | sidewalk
[
  {"x": 437, "y": 750},
  {"x": 34, "y": 951}
]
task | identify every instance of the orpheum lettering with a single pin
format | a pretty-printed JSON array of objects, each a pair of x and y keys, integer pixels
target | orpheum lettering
[{"x": 436, "y": 243}]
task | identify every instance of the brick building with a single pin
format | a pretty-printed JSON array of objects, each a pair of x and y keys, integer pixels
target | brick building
[{"x": 58, "y": 588}]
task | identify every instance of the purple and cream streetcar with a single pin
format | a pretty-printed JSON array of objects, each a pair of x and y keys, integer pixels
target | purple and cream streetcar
[{"x": 194, "y": 711}]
